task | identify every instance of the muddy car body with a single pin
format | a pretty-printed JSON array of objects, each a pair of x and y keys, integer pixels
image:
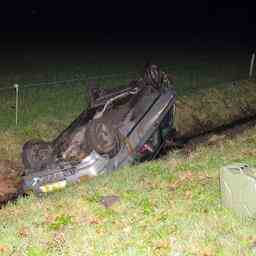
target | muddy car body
[{"x": 119, "y": 128}]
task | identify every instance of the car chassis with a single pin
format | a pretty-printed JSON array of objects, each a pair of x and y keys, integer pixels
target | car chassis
[{"x": 119, "y": 128}]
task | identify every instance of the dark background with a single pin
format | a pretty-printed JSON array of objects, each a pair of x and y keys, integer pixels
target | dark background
[{"x": 194, "y": 23}]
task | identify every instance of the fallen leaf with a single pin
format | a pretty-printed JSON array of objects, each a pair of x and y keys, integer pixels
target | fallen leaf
[
  {"x": 127, "y": 229},
  {"x": 59, "y": 238},
  {"x": 182, "y": 178},
  {"x": 23, "y": 232},
  {"x": 94, "y": 221},
  {"x": 188, "y": 194},
  {"x": 162, "y": 244},
  {"x": 3, "y": 248},
  {"x": 186, "y": 175}
]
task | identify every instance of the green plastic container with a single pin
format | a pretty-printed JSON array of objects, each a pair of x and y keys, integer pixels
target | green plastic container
[{"x": 238, "y": 189}]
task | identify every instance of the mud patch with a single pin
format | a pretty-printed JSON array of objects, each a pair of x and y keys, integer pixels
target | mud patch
[
  {"x": 10, "y": 189},
  {"x": 10, "y": 181}
]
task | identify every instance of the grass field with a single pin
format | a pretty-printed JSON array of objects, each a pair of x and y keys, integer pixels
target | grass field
[{"x": 167, "y": 207}]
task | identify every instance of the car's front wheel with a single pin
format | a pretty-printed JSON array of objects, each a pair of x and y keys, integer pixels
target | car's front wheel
[{"x": 36, "y": 155}]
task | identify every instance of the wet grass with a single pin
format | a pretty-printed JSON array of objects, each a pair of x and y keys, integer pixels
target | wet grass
[{"x": 167, "y": 207}]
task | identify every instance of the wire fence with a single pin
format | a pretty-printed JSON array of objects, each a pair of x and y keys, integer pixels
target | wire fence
[{"x": 23, "y": 104}]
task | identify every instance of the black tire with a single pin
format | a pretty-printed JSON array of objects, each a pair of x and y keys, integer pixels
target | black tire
[
  {"x": 36, "y": 154},
  {"x": 103, "y": 138}
]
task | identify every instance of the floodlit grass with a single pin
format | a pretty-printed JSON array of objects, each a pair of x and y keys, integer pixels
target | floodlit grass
[
  {"x": 57, "y": 101},
  {"x": 167, "y": 207}
]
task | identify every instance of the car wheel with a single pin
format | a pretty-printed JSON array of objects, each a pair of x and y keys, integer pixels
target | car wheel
[
  {"x": 103, "y": 138},
  {"x": 36, "y": 155}
]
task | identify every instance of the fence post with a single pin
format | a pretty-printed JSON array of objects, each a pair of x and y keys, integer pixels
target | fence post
[
  {"x": 16, "y": 86},
  {"x": 251, "y": 65}
]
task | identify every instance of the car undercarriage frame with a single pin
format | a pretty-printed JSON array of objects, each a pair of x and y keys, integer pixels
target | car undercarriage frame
[{"x": 119, "y": 128}]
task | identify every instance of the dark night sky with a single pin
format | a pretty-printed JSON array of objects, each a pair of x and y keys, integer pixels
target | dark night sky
[{"x": 127, "y": 22}]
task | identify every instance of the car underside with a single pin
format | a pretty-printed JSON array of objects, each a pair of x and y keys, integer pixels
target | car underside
[{"x": 120, "y": 127}]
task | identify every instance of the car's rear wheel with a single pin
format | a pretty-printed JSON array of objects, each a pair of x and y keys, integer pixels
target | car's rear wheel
[
  {"x": 36, "y": 155},
  {"x": 103, "y": 138}
]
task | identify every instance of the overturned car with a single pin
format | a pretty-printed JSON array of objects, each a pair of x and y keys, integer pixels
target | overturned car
[{"x": 119, "y": 127}]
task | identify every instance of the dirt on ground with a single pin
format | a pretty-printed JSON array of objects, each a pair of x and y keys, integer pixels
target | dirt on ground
[
  {"x": 11, "y": 172},
  {"x": 188, "y": 145},
  {"x": 10, "y": 181}
]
